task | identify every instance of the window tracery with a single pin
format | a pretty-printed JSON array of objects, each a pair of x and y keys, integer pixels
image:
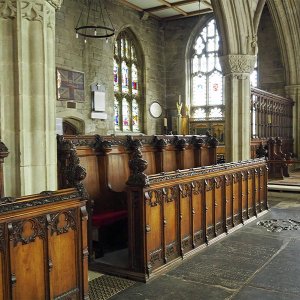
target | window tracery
[{"x": 127, "y": 74}]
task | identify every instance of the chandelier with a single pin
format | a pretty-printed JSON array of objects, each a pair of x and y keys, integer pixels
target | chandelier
[{"x": 94, "y": 22}]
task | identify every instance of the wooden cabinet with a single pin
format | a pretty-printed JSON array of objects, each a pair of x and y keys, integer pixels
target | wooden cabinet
[{"x": 43, "y": 249}]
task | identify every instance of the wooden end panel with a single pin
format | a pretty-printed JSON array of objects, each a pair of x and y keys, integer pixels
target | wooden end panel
[
  {"x": 188, "y": 158},
  {"x": 149, "y": 156},
  {"x": 92, "y": 180},
  {"x": 171, "y": 226},
  {"x": 210, "y": 209},
  {"x": 198, "y": 212},
  {"x": 118, "y": 171},
  {"x": 169, "y": 160},
  {"x": 185, "y": 218},
  {"x": 28, "y": 250},
  {"x": 244, "y": 195},
  {"x": 257, "y": 190},
  {"x": 63, "y": 254},
  {"x": 229, "y": 200},
  {"x": 263, "y": 188},
  {"x": 236, "y": 199},
  {"x": 250, "y": 186},
  {"x": 219, "y": 205},
  {"x": 154, "y": 230},
  {"x": 204, "y": 157}
]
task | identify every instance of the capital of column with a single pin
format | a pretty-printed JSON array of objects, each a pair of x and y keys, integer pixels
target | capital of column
[
  {"x": 31, "y": 9},
  {"x": 237, "y": 63}
]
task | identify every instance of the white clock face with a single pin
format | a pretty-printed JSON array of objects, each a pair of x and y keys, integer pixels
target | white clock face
[{"x": 155, "y": 110}]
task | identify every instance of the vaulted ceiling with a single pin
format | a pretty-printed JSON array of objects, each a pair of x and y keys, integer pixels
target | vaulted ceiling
[{"x": 169, "y": 9}]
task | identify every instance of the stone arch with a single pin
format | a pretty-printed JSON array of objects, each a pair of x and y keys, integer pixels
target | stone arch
[
  {"x": 74, "y": 120},
  {"x": 194, "y": 33},
  {"x": 238, "y": 23},
  {"x": 285, "y": 15}
]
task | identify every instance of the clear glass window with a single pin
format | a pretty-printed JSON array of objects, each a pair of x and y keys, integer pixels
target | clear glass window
[{"x": 206, "y": 75}]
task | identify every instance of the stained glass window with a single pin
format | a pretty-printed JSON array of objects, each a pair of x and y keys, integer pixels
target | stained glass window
[
  {"x": 127, "y": 83},
  {"x": 206, "y": 75}
]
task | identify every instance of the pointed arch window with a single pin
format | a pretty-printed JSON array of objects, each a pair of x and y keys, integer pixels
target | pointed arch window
[
  {"x": 128, "y": 84},
  {"x": 207, "y": 100}
]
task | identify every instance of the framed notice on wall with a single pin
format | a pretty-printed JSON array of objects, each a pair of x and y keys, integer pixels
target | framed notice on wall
[{"x": 70, "y": 85}]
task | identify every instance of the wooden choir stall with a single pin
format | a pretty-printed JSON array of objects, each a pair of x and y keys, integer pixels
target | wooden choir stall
[
  {"x": 43, "y": 246},
  {"x": 166, "y": 191}
]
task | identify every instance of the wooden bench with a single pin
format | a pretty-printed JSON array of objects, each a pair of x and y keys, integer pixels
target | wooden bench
[
  {"x": 175, "y": 214},
  {"x": 106, "y": 161},
  {"x": 277, "y": 160},
  {"x": 43, "y": 246}
]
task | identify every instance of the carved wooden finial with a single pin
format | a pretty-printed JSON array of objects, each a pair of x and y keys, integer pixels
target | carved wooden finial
[
  {"x": 102, "y": 145},
  {"x": 137, "y": 166}
]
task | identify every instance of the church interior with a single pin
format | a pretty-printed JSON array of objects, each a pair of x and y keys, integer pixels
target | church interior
[{"x": 134, "y": 134}]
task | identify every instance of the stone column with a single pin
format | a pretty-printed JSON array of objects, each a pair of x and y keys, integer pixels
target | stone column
[
  {"x": 293, "y": 92},
  {"x": 236, "y": 70},
  {"x": 27, "y": 94}
]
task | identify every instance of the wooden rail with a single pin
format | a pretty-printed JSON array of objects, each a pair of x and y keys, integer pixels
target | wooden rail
[
  {"x": 175, "y": 214},
  {"x": 271, "y": 115}
]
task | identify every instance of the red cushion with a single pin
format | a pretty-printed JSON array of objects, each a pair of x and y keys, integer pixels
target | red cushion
[{"x": 108, "y": 217}]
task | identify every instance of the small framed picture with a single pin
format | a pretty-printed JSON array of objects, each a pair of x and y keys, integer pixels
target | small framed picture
[{"x": 70, "y": 85}]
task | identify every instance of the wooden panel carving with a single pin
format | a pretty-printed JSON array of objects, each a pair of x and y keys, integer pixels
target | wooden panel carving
[
  {"x": 236, "y": 198},
  {"x": 154, "y": 228},
  {"x": 28, "y": 237},
  {"x": 210, "y": 208},
  {"x": 185, "y": 217},
  {"x": 198, "y": 212},
  {"x": 229, "y": 201},
  {"x": 62, "y": 237},
  {"x": 250, "y": 194},
  {"x": 219, "y": 207},
  {"x": 171, "y": 226}
]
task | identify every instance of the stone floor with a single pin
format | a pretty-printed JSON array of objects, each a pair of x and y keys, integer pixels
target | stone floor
[{"x": 251, "y": 263}]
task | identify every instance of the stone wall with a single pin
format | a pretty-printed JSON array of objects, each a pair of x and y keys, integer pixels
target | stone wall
[
  {"x": 164, "y": 46},
  {"x": 270, "y": 66},
  {"x": 95, "y": 59}
]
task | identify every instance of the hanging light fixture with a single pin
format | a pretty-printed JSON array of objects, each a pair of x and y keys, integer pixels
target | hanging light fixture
[{"x": 96, "y": 23}]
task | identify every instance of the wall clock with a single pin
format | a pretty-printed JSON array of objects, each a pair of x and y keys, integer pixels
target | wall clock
[{"x": 155, "y": 109}]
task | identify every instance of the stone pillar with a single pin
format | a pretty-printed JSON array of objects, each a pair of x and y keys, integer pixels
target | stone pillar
[
  {"x": 27, "y": 94},
  {"x": 236, "y": 70},
  {"x": 293, "y": 92}
]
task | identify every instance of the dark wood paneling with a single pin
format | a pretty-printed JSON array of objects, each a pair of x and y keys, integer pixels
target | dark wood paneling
[{"x": 43, "y": 237}]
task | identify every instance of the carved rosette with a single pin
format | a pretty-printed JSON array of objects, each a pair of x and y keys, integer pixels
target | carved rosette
[
  {"x": 237, "y": 63},
  {"x": 62, "y": 222},
  {"x": 137, "y": 166},
  {"x": 26, "y": 231}
]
